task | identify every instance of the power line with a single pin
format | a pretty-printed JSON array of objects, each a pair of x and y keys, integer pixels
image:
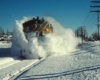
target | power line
[
  {"x": 91, "y": 20},
  {"x": 95, "y": 5},
  {"x": 86, "y": 18}
]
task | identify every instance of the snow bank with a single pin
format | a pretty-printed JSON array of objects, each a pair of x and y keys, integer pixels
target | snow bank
[
  {"x": 4, "y": 44},
  {"x": 60, "y": 42},
  {"x": 5, "y": 60}
]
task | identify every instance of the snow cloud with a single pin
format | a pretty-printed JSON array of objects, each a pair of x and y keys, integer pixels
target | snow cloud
[{"x": 61, "y": 41}]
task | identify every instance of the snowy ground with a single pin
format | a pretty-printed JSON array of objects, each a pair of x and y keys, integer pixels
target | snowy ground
[
  {"x": 10, "y": 66},
  {"x": 82, "y": 64}
]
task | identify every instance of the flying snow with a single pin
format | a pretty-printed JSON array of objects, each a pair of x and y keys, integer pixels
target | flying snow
[{"x": 61, "y": 41}]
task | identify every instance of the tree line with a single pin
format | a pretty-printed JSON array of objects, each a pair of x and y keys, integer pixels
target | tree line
[
  {"x": 3, "y": 32},
  {"x": 83, "y": 34}
]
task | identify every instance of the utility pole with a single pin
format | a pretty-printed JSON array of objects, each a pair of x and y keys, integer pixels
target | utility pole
[
  {"x": 96, "y": 6},
  {"x": 81, "y": 32},
  {"x": 98, "y": 25}
]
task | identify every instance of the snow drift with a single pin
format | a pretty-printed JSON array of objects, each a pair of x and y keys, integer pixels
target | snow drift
[{"x": 61, "y": 41}]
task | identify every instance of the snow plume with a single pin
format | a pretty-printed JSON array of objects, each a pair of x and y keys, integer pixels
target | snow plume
[{"x": 61, "y": 41}]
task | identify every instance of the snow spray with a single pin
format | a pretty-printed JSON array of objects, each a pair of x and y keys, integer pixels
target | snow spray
[{"x": 61, "y": 41}]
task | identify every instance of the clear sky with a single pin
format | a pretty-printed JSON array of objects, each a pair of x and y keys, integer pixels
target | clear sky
[{"x": 69, "y": 13}]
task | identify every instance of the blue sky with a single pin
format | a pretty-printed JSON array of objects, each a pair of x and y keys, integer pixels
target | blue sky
[{"x": 69, "y": 13}]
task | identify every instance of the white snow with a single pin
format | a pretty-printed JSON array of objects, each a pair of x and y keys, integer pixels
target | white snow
[
  {"x": 5, "y": 60},
  {"x": 9, "y": 65},
  {"x": 84, "y": 64},
  {"x": 12, "y": 70},
  {"x": 4, "y": 44},
  {"x": 61, "y": 41},
  {"x": 76, "y": 63}
]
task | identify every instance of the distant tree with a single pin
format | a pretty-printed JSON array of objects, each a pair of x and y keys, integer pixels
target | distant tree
[
  {"x": 7, "y": 32},
  {"x": 11, "y": 33},
  {"x": 2, "y": 33},
  {"x": 95, "y": 36},
  {"x": 81, "y": 32}
]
